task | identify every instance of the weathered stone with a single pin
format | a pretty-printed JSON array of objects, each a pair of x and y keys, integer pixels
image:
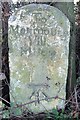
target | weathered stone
[{"x": 39, "y": 47}]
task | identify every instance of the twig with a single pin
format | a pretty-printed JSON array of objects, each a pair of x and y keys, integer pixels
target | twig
[
  {"x": 4, "y": 100},
  {"x": 76, "y": 99},
  {"x": 56, "y": 97}
]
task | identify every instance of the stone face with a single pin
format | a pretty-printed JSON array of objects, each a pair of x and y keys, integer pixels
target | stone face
[{"x": 38, "y": 55}]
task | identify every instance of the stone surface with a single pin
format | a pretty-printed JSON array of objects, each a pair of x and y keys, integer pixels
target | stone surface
[{"x": 38, "y": 55}]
